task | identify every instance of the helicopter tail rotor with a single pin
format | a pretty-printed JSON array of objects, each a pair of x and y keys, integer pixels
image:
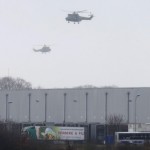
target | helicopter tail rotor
[{"x": 91, "y": 15}]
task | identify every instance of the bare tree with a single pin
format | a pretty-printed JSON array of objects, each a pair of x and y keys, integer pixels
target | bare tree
[
  {"x": 115, "y": 119},
  {"x": 85, "y": 86},
  {"x": 9, "y": 83},
  {"x": 115, "y": 123},
  {"x": 92, "y": 86}
]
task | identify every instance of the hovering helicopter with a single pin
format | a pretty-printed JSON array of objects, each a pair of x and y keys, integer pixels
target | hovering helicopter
[
  {"x": 75, "y": 17},
  {"x": 44, "y": 49}
]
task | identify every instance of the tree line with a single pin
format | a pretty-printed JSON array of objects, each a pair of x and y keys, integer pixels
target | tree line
[{"x": 10, "y": 83}]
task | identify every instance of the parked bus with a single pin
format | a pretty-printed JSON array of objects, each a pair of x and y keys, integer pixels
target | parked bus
[{"x": 132, "y": 137}]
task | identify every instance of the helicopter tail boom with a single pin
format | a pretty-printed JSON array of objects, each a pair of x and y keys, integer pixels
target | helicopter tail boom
[
  {"x": 35, "y": 50},
  {"x": 87, "y": 18}
]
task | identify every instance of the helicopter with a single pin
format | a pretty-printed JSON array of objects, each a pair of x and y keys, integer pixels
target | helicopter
[
  {"x": 44, "y": 49},
  {"x": 75, "y": 17}
]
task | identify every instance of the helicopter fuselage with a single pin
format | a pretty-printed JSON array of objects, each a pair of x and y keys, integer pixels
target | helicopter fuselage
[
  {"x": 77, "y": 18},
  {"x": 43, "y": 50}
]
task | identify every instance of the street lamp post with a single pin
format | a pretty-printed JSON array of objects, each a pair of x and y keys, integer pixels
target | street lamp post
[
  {"x": 135, "y": 110},
  {"x": 6, "y": 107},
  {"x": 106, "y": 116},
  {"x": 86, "y": 108},
  {"x": 29, "y": 107},
  {"x": 106, "y": 95},
  {"x": 9, "y": 110},
  {"x": 45, "y": 107},
  {"x": 128, "y": 115},
  {"x": 65, "y": 108},
  {"x": 37, "y": 106}
]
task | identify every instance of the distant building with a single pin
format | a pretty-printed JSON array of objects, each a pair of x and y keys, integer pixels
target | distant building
[
  {"x": 77, "y": 105},
  {"x": 140, "y": 127}
]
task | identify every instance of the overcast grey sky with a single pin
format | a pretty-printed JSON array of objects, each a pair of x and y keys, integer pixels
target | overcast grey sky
[{"x": 111, "y": 49}]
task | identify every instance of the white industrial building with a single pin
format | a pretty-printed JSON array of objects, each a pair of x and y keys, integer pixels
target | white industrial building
[{"x": 82, "y": 105}]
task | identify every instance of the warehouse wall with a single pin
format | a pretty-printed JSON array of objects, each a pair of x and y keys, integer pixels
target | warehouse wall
[{"x": 81, "y": 105}]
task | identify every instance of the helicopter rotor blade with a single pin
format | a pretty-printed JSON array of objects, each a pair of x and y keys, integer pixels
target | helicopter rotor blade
[
  {"x": 44, "y": 45},
  {"x": 67, "y": 11},
  {"x": 82, "y": 11}
]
